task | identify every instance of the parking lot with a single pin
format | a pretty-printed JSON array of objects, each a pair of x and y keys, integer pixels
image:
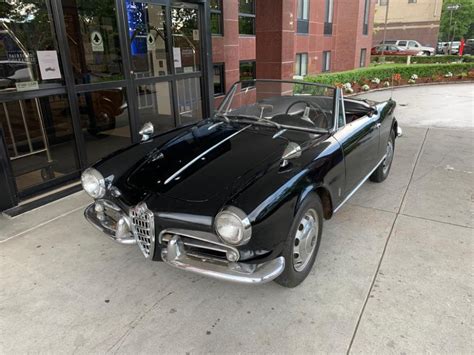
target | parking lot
[{"x": 394, "y": 271}]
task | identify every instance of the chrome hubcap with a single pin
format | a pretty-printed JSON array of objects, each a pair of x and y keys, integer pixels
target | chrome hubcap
[
  {"x": 388, "y": 159},
  {"x": 305, "y": 240}
]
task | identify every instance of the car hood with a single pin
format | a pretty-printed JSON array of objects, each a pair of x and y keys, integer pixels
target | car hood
[{"x": 209, "y": 161}]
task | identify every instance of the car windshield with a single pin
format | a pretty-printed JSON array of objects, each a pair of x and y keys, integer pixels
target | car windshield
[{"x": 283, "y": 104}]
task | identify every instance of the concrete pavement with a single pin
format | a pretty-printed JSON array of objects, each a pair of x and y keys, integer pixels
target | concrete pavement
[{"x": 394, "y": 274}]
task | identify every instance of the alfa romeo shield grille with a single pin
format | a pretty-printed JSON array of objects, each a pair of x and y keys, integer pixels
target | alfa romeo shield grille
[{"x": 143, "y": 228}]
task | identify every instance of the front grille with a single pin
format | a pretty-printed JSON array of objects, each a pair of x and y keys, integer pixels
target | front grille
[{"x": 143, "y": 225}]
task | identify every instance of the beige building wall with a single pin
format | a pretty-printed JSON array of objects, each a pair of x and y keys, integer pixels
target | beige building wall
[{"x": 417, "y": 20}]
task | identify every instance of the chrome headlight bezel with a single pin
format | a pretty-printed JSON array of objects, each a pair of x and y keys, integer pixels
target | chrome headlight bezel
[
  {"x": 242, "y": 222},
  {"x": 92, "y": 175}
]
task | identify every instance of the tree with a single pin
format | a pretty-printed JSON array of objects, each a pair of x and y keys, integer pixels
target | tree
[{"x": 461, "y": 22}]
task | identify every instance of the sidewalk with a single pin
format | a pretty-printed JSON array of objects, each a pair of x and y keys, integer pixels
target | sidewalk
[{"x": 393, "y": 275}]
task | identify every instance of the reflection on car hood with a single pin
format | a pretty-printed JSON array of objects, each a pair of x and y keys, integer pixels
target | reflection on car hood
[{"x": 206, "y": 161}]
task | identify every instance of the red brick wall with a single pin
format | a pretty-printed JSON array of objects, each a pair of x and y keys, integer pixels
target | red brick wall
[{"x": 276, "y": 48}]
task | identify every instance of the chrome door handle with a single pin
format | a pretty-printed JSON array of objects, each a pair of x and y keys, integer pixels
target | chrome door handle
[{"x": 378, "y": 125}]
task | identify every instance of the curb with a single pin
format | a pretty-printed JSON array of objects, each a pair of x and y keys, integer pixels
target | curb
[{"x": 412, "y": 85}]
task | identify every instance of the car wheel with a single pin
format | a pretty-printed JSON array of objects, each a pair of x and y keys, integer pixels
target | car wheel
[
  {"x": 383, "y": 169},
  {"x": 302, "y": 245},
  {"x": 428, "y": 53}
]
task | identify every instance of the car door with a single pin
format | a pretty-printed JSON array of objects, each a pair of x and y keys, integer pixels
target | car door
[
  {"x": 360, "y": 141},
  {"x": 413, "y": 45},
  {"x": 402, "y": 44}
]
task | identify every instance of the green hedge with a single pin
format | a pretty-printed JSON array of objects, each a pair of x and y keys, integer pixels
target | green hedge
[
  {"x": 423, "y": 60},
  {"x": 385, "y": 72}
]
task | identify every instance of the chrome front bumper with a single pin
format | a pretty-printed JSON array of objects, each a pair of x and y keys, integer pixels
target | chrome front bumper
[
  {"x": 119, "y": 230},
  {"x": 255, "y": 274}
]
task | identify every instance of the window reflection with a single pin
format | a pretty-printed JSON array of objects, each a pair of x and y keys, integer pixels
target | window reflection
[
  {"x": 39, "y": 138},
  {"x": 93, "y": 40},
  {"x": 154, "y": 105},
  {"x": 189, "y": 100},
  {"x": 146, "y": 25},
  {"x": 186, "y": 40},
  {"x": 25, "y": 28},
  {"x": 104, "y": 121}
]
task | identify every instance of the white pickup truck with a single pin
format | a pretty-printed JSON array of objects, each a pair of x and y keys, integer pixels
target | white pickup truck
[{"x": 412, "y": 45}]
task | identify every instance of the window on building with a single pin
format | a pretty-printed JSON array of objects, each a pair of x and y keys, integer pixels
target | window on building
[
  {"x": 383, "y": 2},
  {"x": 326, "y": 61},
  {"x": 328, "y": 16},
  {"x": 365, "y": 26},
  {"x": 247, "y": 72},
  {"x": 218, "y": 78},
  {"x": 301, "y": 64},
  {"x": 247, "y": 17},
  {"x": 412, "y": 1},
  {"x": 303, "y": 16},
  {"x": 216, "y": 17},
  {"x": 363, "y": 57}
]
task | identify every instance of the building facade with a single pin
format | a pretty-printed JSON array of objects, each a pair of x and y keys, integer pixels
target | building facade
[
  {"x": 287, "y": 38},
  {"x": 408, "y": 19},
  {"x": 78, "y": 78}
]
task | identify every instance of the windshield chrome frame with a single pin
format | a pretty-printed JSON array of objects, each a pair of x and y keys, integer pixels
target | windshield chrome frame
[{"x": 223, "y": 108}]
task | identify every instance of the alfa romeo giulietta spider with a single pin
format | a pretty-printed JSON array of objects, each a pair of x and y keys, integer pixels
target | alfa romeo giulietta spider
[{"x": 242, "y": 196}]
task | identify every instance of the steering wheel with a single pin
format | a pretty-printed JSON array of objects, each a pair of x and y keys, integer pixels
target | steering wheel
[{"x": 309, "y": 106}]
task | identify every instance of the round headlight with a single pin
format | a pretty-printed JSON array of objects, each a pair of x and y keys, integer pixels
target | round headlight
[
  {"x": 93, "y": 183},
  {"x": 233, "y": 226}
]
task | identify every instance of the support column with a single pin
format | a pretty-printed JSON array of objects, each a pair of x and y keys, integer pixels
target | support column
[{"x": 275, "y": 38}]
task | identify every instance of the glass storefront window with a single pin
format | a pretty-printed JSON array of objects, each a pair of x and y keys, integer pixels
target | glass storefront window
[
  {"x": 154, "y": 105},
  {"x": 146, "y": 25},
  {"x": 189, "y": 100},
  {"x": 39, "y": 138},
  {"x": 93, "y": 40},
  {"x": 186, "y": 40},
  {"x": 104, "y": 121},
  {"x": 29, "y": 57}
]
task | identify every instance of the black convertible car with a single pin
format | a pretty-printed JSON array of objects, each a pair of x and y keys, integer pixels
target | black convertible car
[{"x": 242, "y": 196}]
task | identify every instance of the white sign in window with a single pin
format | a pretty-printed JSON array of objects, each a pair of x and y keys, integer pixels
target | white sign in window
[
  {"x": 49, "y": 65},
  {"x": 177, "y": 57}
]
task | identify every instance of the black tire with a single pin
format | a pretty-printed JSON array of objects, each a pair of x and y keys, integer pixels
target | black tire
[
  {"x": 383, "y": 169},
  {"x": 291, "y": 277}
]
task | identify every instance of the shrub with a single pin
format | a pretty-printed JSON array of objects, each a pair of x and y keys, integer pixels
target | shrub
[{"x": 386, "y": 72}]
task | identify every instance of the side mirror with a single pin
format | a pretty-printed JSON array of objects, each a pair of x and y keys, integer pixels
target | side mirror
[
  {"x": 147, "y": 131},
  {"x": 292, "y": 151}
]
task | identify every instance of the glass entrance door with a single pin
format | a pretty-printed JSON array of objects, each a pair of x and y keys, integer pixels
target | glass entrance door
[
  {"x": 165, "y": 51},
  {"x": 34, "y": 110}
]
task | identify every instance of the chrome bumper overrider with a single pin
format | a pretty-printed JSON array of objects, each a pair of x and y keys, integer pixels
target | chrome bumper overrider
[
  {"x": 175, "y": 255},
  {"x": 118, "y": 231}
]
